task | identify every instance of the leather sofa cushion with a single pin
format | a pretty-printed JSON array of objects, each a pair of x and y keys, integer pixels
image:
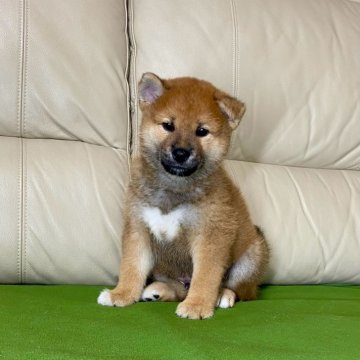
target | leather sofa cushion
[
  {"x": 61, "y": 211},
  {"x": 295, "y": 64},
  {"x": 310, "y": 218},
  {"x": 63, "y": 70}
]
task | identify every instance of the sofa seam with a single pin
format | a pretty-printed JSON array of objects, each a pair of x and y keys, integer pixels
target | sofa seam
[
  {"x": 24, "y": 156},
  {"x": 21, "y": 128},
  {"x": 25, "y": 212},
  {"x": 20, "y": 211},
  {"x": 234, "y": 47},
  {"x": 132, "y": 80},
  {"x": 19, "y": 69},
  {"x": 128, "y": 95},
  {"x": 19, "y": 263},
  {"x": 235, "y": 75},
  {"x": 25, "y": 62}
]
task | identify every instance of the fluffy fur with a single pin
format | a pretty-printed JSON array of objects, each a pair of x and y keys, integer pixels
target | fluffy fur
[{"x": 184, "y": 218}]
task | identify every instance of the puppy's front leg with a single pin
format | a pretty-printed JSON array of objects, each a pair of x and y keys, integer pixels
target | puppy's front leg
[
  {"x": 136, "y": 264},
  {"x": 209, "y": 268}
]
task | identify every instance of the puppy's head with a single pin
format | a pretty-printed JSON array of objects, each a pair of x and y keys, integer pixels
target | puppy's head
[{"x": 186, "y": 124}]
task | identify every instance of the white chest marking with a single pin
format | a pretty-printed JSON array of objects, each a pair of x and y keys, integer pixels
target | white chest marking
[{"x": 165, "y": 227}]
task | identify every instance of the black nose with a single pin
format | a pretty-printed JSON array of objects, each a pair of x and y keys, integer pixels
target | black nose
[{"x": 180, "y": 155}]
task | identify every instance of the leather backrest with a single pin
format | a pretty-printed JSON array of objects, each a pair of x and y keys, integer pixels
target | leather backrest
[
  {"x": 296, "y": 64},
  {"x": 62, "y": 70}
]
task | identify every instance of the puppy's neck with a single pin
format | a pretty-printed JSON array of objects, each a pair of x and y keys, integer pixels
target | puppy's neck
[{"x": 157, "y": 188}]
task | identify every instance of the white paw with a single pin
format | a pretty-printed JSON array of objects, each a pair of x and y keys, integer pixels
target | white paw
[
  {"x": 150, "y": 294},
  {"x": 226, "y": 299},
  {"x": 105, "y": 298}
]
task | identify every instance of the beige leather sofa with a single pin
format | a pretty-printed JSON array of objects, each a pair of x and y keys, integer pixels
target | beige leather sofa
[{"x": 69, "y": 123}]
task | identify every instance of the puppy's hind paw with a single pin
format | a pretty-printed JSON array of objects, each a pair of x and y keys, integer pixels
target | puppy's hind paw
[
  {"x": 160, "y": 291},
  {"x": 105, "y": 298},
  {"x": 150, "y": 295},
  {"x": 226, "y": 299}
]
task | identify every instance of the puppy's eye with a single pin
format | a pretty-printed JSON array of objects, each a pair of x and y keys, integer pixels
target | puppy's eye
[
  {"x": 201, "y": 132},
  {"x": 168, "y": 126}
]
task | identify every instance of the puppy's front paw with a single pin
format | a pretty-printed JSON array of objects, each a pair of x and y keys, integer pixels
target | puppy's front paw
[
  {"x": 105, "y": 298},
  {"x": 119, "y": 298},
  {"x": 194, "y": 310}
]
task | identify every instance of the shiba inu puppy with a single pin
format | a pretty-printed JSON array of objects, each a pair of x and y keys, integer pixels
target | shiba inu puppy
[{"x": 187, "y": 227}]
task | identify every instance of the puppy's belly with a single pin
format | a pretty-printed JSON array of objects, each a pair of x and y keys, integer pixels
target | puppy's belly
[{"x": 172, "y": 259}]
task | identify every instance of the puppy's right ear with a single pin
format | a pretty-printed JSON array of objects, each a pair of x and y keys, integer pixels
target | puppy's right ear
[{"x": 151, "y": 88}]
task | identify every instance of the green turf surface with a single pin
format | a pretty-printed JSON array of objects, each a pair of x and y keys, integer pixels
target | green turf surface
[{"x": 288, "y": 322}]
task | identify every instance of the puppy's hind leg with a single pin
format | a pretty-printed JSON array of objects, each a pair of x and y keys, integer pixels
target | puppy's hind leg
[
  {"x": 165, "y": 290},
  {"x": 247, "y": 272}
]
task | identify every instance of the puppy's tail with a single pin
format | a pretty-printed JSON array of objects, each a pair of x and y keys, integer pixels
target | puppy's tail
[{"x": 264, "y": 243}]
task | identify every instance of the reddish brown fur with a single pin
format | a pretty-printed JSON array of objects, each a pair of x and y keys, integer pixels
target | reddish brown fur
[{"x": 223, "y": 230}]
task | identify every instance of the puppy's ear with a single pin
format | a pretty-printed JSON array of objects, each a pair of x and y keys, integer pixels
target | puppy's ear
[
  {"x": 232, "y": 108},
  {"x": 151, "y": 88}
]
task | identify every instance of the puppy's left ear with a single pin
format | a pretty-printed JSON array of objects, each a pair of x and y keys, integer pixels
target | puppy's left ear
[
  {"x": 151, "y": 88},
  {"x": 232, "y": 108}
]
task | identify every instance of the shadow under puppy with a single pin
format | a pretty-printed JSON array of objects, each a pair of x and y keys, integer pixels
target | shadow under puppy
[{"x": 184, "y": 218}]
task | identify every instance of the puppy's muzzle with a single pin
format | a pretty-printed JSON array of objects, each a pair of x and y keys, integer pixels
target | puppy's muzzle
[{"x": 180, "y": 161}]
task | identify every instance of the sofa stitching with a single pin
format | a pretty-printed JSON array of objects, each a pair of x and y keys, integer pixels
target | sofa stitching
[
  {"x": 235, "y": 79},
  {"x": 127, "y": 78},
  {"x": 19, "y": 131},
  {"x": 132, "y": 76},
  {"x": 24, "y": 156},
  {"x": 25, "y": 212},
  {"x": 20, "y": 184},
  {"x": 22, "y": 89},
  {"x": 128, "y": 90},
  {"x": 19, "y": 69},
  {"x": 26, "y": 51}
]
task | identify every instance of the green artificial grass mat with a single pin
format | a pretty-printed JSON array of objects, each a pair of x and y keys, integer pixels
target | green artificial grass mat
[{"x": 287, "y": 322}]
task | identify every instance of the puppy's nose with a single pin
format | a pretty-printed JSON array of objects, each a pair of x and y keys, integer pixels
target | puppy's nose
[{"x": 180, "y": 155}]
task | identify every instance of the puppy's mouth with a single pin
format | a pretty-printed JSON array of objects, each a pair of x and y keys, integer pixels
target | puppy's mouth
[{"x": 178, "y": 170}]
